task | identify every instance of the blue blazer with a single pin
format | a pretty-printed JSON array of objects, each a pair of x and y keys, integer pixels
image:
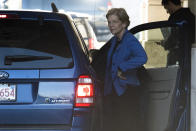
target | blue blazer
[{"x": 128, "y": 56}]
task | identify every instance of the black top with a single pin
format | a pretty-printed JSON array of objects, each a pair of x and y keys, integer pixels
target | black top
[{"x": 187, "y": 15}]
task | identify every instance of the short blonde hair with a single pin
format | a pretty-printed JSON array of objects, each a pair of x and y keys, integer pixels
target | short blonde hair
[{"x": 120, "y": 13}]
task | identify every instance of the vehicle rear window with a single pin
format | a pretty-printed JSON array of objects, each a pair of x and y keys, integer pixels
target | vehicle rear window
[{"x": 23, "y": 40}]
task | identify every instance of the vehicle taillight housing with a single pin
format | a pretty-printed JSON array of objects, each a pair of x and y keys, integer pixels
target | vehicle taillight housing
[
  {"x": 84, "y": 92},
  {"x": 91, "y": 43},
  {"x": 9, "y": 16},
  {"x": 109, "y": 5}
]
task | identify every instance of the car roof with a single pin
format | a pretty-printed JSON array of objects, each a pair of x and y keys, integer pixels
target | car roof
[
  {"x": 25, "y": 10},
  {"x": 34, "y": 13}
]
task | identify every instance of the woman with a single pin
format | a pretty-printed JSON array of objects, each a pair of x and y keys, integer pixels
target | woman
[{"x": 121, "y": 85}]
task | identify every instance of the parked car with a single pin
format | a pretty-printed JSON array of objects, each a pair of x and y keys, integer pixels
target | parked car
[
  {"x": 46, "y": 80},
  {"x": 101, "y": 29},
  {"x": 82, "y": 23},
  {"x": 165, "y": 89},
  {"x": 95, "y": 9}
]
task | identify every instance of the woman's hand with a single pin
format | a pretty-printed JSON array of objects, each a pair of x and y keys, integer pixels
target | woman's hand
[{"x": 120, "y": 75}]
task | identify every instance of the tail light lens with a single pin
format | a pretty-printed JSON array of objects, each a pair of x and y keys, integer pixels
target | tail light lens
[
  {"x": 84, "y": 92},
  {"x": 109, "y": 5},
  {"x": 91, "y": 43},
  {"x": 9, "y": 16}
]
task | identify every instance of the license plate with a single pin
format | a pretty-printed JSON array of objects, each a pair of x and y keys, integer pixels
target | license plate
[{"x": 7, "y": 92}]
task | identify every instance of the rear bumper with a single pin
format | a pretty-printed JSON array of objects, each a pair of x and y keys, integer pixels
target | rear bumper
[
  {"x": 34, "y": 128},
  {"x": 39, "y": 128},
  {"x": 21, "y": 119},
  {"x": 43, "y": 114}
]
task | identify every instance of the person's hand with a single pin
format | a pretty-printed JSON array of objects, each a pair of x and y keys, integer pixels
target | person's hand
[{"x": 120, "y": 75}]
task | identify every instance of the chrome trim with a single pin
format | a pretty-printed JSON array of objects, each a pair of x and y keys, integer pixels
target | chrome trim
[{"x": 4, "y": 75}]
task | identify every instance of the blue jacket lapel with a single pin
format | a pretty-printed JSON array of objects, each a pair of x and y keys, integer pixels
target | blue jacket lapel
[{"x": 111, "y": 50}]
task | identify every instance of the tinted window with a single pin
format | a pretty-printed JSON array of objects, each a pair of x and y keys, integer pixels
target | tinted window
[
  {"x": 154, "y": 40},
  {"x": 24, "y": 38},
  {"x": 96, "y": 10},
  {"x": 83, "y": 30}
]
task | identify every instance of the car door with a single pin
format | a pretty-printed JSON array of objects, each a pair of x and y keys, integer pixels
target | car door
[{"x": 165, "y": 102}]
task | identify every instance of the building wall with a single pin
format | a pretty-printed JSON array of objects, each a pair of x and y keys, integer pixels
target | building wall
[
  {"x": 14, "y": 4},
  {"x": 156, "y": 12},
  {"x": 152, "y": 10},
  {"x": 192, "y": 5}
]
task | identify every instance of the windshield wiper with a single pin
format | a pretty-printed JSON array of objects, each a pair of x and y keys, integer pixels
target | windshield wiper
[{"x": 22, "y": 58}]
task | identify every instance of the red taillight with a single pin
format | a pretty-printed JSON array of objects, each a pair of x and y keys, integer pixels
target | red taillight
[
  {"x": 3, "y": 16},
  {"x": 84, "y": 92},
  {"x": 109, "y": 5},
  {"x": 91, "y": 43},
  {"x": 9, "y": 16}
]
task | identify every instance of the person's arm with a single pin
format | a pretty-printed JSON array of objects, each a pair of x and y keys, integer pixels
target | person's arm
[
  {"x": 137, "y": 58},
  {"x": 171, "y": 36}
]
